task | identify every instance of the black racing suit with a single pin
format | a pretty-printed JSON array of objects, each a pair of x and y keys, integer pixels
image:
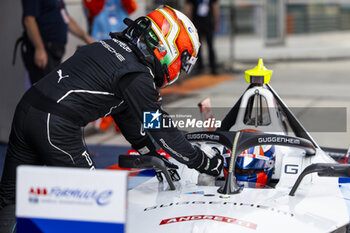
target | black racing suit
[{"x": 100, "y": 79}]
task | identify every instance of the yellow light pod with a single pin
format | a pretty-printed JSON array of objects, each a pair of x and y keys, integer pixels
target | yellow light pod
[{"x": 258, "y": 75}]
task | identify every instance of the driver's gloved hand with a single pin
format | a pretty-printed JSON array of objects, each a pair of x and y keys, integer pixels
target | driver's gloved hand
[{"x": 205, "y": 164}]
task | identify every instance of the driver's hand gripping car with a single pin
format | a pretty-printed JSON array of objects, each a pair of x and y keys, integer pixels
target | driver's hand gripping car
[{"x": 117, "y": 77}]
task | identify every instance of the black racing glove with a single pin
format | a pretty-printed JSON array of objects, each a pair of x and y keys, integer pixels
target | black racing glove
[{"x": 207, "y": 165}]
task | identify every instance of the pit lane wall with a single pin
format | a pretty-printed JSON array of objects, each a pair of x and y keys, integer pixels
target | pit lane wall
[{"x": 51, "y": 199}]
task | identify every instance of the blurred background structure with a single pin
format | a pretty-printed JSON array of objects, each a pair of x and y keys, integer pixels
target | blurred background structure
[
  {"x": 261, "y": 28},
  {"x": 276, "y": 30}
]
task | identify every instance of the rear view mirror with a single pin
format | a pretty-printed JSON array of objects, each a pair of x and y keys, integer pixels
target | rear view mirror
[
  {"x": 136, "y": 161},
  {"x": 323, "y": 169},
  {"x": 334, "y": 170}
]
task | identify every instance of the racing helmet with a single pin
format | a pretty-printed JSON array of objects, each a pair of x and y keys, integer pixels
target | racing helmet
[
  {"x": 254, "y": 166},
  {"x": 177, "y": 42},
  {"x": 170, "y": 37}
]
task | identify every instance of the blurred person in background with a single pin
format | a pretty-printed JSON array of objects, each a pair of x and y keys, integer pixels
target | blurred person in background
[
  {"x": 205, "y": 14},
  {"x": 105, "y": 16},
  {"x": 46, "y": 24}
]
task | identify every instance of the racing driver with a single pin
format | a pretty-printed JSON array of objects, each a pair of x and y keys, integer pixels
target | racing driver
[{"x": 117, "y": 77}]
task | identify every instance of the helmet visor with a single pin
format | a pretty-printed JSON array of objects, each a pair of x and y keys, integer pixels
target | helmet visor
[{"x": 248, "y": 162}]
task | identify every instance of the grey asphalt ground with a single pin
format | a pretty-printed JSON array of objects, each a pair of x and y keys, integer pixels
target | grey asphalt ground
[{"x": 305, "y": 85}]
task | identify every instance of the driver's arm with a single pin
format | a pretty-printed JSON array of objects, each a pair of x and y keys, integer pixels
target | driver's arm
[
  {"x": 132, "y": 130},
  {"x": 140, "y": 95}
]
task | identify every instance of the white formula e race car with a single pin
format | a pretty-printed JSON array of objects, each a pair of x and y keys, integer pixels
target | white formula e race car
[{"x": 272, "y": 182}]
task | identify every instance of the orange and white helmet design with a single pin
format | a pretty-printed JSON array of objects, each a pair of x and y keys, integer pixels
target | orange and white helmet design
[{"x": 178, "y": 42}]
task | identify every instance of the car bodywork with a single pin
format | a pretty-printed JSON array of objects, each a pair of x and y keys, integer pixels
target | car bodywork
[{"x": 320, "y": 201}]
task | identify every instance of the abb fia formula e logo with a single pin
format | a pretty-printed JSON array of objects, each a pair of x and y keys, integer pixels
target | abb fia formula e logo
[
  {"x": 71, "y": 194},
  {"x": 35, "y": 192},
  {"x": 66, "y": 195},
  {"x": 38, "y": 191}
]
